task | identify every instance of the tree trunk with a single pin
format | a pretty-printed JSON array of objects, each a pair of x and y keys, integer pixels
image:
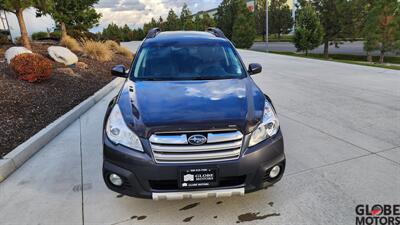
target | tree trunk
[
  {"x": 24, "y": 33},
  {"x": 63, "y": 30},
  {"x": 381, "y": 58},
  {"x": 279, "y": 36},
  {"x": 326, "y": 49},
  {"x": 369, "y": 57},
  {"x": 264, "y": 39}
]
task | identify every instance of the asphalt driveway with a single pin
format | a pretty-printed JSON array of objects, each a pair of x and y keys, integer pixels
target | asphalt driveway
[{"x": 341, "y": 125}]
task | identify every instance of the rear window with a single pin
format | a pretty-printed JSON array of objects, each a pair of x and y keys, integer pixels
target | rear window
[{"x": 187, "y": 61}]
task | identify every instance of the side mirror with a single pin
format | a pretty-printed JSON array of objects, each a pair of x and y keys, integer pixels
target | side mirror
[
  {"x": 119, "y": 71},
  {"x": 255, "y": 68}
]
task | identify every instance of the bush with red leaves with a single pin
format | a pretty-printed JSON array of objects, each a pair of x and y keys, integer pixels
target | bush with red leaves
[{"x": 31, "y": 67}]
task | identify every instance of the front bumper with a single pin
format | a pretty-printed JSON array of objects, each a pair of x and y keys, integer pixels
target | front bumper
[{"x": 144, "y": 178}]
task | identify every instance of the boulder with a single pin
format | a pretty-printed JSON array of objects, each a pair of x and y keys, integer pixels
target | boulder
[
  {"x": 62, "y": 55},
  {"x": 14, "y": 51}
]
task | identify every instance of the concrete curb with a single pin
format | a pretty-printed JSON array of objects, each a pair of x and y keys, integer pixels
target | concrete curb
[{"x": 13, "y": 160}]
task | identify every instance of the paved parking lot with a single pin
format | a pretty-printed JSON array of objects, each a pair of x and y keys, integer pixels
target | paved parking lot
[{"x": 341, "y": 125}]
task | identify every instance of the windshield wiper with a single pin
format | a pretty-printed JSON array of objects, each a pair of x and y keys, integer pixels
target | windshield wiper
[{"x": 211, "y": 78}]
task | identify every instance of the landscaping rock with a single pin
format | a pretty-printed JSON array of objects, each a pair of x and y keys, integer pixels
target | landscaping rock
[
  {"x": 14, "y": 51},
  {"x": 62, "y": 55},
  {"x": 82, "y": 66}
]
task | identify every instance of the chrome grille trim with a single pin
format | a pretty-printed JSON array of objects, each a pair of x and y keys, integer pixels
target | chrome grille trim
[
  {"x": 170, "y": 139},
  {"x": 198, "y": 194},
  {"x": 174, "y": 147}
]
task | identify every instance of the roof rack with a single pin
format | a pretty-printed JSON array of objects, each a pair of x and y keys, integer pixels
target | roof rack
[
  {"x": 216, "y": 31},
  {"x": 153, "y": 32}
]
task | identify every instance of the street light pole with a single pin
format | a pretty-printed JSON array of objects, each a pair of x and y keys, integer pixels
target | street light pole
[{"x": 266, "y": 26}]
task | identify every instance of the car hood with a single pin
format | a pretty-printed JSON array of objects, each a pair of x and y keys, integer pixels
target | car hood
[{"x": 161, "y": 106}]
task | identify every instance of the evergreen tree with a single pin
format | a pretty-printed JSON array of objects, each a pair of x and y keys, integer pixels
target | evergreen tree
[
  {"x": 280, "y": 19},
  {"x": 207, "y": 21},
  {"x": 126, "y": 33},
  {"x": 382, "y": 27},
  {"x": 204, "y": 21},
  {"x": 172, "y": 22},
  {"x": 147, "y": 26},
  {"x": 160, "y": 23},
  {"x": 186, "y": 18},
  {"x": 336, "y": 17},
  {"x": 198, "y": 23},
  {"x": 308, "y": 31},
  {"x": 112, "y": 32},
  {"x": 228, "y": 11},
  {"x": 73, "y": 14},
  {"x": 17, "y": 7},
  {"x": 244, "y": 31}
]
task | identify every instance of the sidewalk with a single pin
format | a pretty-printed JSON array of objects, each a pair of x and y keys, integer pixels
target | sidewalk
[{"x": 333, "y": 162}]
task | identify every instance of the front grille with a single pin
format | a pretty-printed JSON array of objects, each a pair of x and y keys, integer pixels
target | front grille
[{"x": 174, "y": 147}]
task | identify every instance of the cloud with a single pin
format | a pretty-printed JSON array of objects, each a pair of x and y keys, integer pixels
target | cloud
[
  {"x": 121, "y": 5},
  {"x": 137, "y": 12}
]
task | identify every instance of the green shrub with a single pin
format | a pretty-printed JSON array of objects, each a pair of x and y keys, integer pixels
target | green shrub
[
  {"x": 56, "y": 35},
  {"x": 40, "y": 35}
]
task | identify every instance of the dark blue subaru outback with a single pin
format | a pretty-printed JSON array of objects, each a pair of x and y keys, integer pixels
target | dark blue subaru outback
[{"x": 189, "y": 122}]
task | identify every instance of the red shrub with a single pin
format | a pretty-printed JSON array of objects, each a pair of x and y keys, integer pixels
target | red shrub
[{"x": 31, "y": 67}]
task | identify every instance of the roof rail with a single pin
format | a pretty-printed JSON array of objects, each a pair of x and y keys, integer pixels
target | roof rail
[
  {"x": 216, "y": 31},
  {"x": 153, "y": 32}
]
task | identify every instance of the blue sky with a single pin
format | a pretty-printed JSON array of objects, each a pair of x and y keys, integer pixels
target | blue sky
[{"x": 136, "y": 12}]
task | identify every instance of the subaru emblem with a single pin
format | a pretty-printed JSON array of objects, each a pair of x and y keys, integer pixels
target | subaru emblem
[{"x": 197, "y": 139}]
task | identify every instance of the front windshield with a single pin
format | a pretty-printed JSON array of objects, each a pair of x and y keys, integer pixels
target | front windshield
[{"x": 183, "y": 61}]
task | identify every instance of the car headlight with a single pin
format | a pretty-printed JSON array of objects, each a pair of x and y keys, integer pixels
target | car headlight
[
  {"x": 119, "y": 133},
  {"x": 268, "y": 127}
]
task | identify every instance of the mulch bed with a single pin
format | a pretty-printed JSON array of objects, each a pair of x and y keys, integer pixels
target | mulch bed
[{"x": 26, "y": 108}]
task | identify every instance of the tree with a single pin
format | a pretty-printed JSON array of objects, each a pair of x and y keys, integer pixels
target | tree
[
  {"x": 244, "y": 31},
  {"x": 172, "y": 22},
  {"x": 227, "y": 12},
  {"x": 73, "y": 14},
  {"x": 112, "y": 32},
  {"x": 147, "y": 26},
  {"x": 198, "y": 23},
  {"x": 336, "y": 17},
  {"x": 203, "y": 22},
  {"x": 207, "y": 21},
  {"x": 280, "y": 19},
  {"x": 160, "y": 23},
  {"x": 382, "y": 27},
  {"x": 17, "y": 7},
  {"x": 126, "y": 33},
  {"x": 186, "y": 18},
  {"x": 308, "y": 31}
]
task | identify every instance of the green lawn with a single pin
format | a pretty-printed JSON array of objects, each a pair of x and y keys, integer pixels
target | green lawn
[
  {"x": 274, "y": 38},
  {"x": 352, "y": 59}
]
